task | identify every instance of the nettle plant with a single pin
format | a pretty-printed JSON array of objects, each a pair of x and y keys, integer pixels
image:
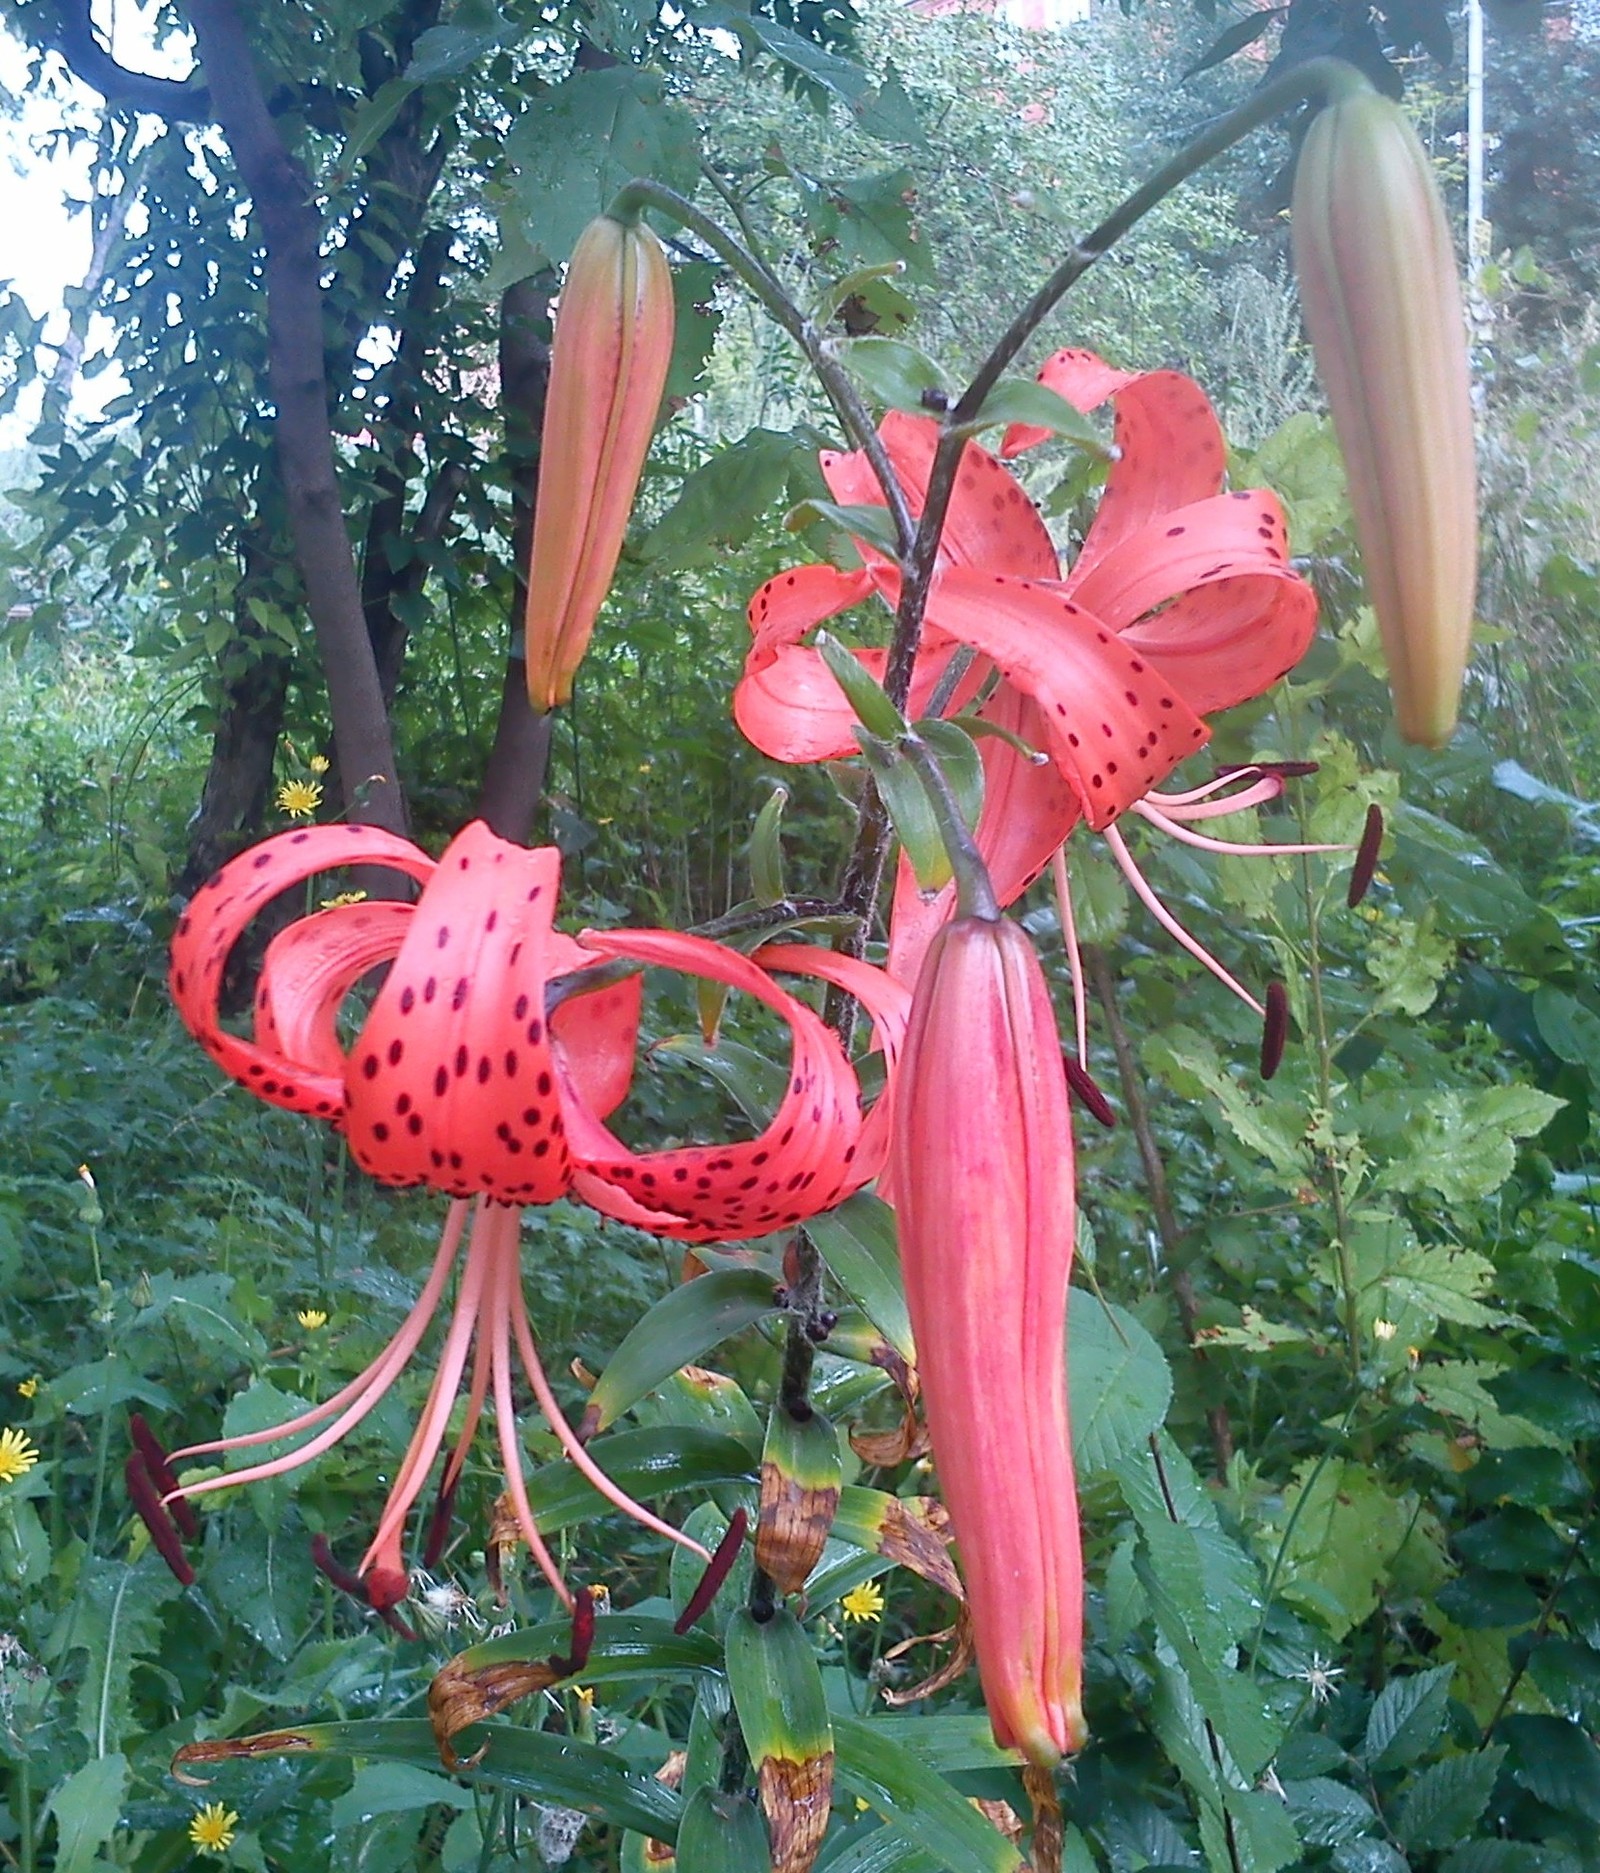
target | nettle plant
[{"x": 905, "y": 1208}]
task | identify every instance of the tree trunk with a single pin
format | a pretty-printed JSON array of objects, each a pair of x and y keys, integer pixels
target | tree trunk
[
  {"x": 233, "y": 803},
  {"x": 291, "y": 232},
  {"x": 513, "y": 778}
]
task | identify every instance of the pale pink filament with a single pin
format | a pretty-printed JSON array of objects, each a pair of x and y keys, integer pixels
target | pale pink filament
[
  {"x": 1232, "y": 847},
  {"x": 366, "y": 1390},
  {"x": 1264, "y": 787},
  {"x": 488, "y": 1307},
  {"x": 1069, "y": 931},
  {"x": 1170, "y": 924}
]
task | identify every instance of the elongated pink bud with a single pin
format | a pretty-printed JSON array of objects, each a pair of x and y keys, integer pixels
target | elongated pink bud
[
  {"x": 1382, "y": 303},
  {"x": 608, "y": 367},
  {"x": 982, "y": 1169}
]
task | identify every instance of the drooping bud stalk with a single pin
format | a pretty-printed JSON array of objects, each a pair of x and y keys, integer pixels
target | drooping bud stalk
[
  {"x": 608, "y": 367},
  {"x": 982, "y": 1168},
  {"x": 1382, "y": 301}
]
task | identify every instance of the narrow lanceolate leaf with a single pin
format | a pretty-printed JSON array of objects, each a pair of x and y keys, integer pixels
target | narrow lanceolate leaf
[
  {"x": 777, "y": 1693},
  {"x": 722, "y": 1834},
  {"x": 681, "y": 1327},
  {"x": 857, "y": 1241},
  {"x": 800, "y": 1471},
  {"x": 1382, "y": 302},
  {"x": 483, "y": 1680},
  {"x": 608, "y": 368},
  {"x": 540, "y": 1764},
  {"x": 647, "y": 1463},
  {"x": 919, "y": 1801},
  {"x": 766, "y": 849}
]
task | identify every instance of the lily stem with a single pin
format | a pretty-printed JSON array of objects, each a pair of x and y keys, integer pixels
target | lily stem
[
  {"x": 1155, "y": 1176},
  {"x": 768, "y": 288},
  {"x": 1325, "y": 78},
  {"x": 975, "y": 894}
]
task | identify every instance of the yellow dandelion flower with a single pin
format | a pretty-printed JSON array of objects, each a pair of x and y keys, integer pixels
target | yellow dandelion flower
[
  {"x": 311, "y": 1318},
  {"x": 319, "y": 764},
  {"x": 863, "y": 1603},
  {"x": 300, "y": 798},
  {"x": 339, "y": 901},
  {"x": 17, "y": 1454},
  {"x": 212, "y": 1828},
  {"x": 28, "y": 1387}
]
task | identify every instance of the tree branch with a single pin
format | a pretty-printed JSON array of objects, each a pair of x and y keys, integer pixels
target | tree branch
[{"x": 69, "y": 31}]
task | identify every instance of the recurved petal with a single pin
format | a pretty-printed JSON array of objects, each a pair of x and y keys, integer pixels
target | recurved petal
[
  {"x": 218, "y": 914},
  {"x": 787, "y": 703},
  {"x": 801, "y": 1163},
  {"x": 309, "y": 968},
  {"x": 990, "y": 520},
  {"x": 887, "y": 1002},
  {"x": 596, "y": 1031},
  {"x": 1116, "y": 727},
  {"x": 1208, "y": 594},
  {"x": 453, "y": 1079},
  {"x": 1170, "y": 448}
]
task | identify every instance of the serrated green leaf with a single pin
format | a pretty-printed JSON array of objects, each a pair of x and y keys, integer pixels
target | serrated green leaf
[
  {"x": 677, "y": 1331},
  {"x": 1496, "y": 1856},
  {"x": 1555, "y": 1761},
  {"x": 919, "y": 1802},
  {"x": 87, "y": 1807},
  {"x": 1328, "y": 1813},
  {"x": 1443, "y": 1805},
  {"x": 1463, "y": 1145},
  {"x": 1406, "y": 1718},
  {"x": 1120, "y": 1382},
  {"x": 1264, "y": 1122},
  {"x": 722, "y": 502},
  {"x": 576, "y": 144}
]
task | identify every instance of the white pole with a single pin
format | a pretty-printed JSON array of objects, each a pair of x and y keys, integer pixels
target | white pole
[{"x": 1477, "y": 226}]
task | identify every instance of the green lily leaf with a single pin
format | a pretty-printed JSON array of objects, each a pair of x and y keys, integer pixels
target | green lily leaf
[
  {"x": 896, "y": 374},
  {"x": 644, "y": 1463},
  {"x": 1020, "y": 400},
  {"x": 676, "y": 1332},
  {"x": 918, "y": 1800},
  {"x": 857, "y": 1241}
]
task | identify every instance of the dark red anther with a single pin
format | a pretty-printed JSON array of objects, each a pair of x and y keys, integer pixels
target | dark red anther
[
  {"x": 161, "y": 1474},
  {"x": 1284, "y": 770},
  {"x": 146, "y": 1499},
  {"x": 396, "y": 1624},
  {"x": 322, "y": 1557},
  {"x": 439, "y": 1521},
  {"x": 721, "y": 1565},
  {"x": 1087, "y": 1093},
  {"x": 582, "y": 1632},
  {"x": 1274, "y": 1030},
  {"x": 1366, "y": 857}
]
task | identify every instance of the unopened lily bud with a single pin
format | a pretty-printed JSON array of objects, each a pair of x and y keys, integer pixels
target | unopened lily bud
[
  {"x": 1382, "y": 301},
  {"x": 983, "y": 1177},
  {"x": 608, "y": 367}
]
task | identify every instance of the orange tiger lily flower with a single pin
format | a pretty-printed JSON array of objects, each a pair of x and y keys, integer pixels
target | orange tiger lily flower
[{"x": 470, "y": 1074}]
